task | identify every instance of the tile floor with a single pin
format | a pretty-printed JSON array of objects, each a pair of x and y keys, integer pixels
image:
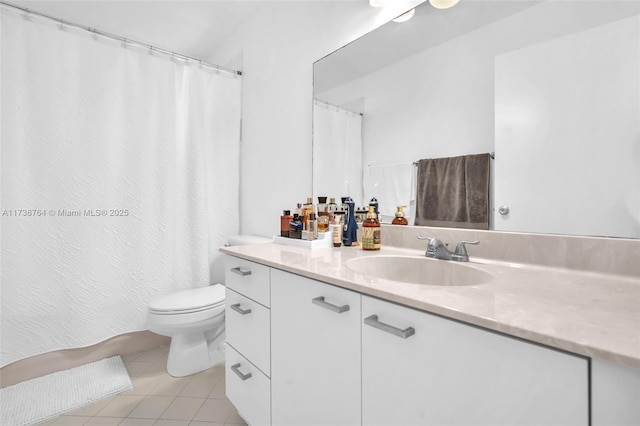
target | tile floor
[{"x": 159, "y": 399}]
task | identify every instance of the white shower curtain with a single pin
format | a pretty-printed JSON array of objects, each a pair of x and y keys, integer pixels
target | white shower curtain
[
  {"x": 337, "y": 152},
  {"x": 120, "y": 176}
]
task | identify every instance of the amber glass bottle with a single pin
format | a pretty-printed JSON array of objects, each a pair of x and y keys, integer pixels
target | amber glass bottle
[
  {"x": 400, "y": 219},
  {"x": 371, "y": 231},
  {"x": 285, "y": 220}
]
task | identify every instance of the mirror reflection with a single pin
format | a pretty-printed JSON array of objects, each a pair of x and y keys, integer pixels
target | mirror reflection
[{"x": 551, "y": 88}]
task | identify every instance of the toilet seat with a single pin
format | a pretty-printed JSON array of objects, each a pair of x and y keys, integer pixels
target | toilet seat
[{"x": 189, "y": 301}]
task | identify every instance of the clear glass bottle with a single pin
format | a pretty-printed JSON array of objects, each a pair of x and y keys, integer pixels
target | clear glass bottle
[
  {"x": 371, "y": 231},
  {"x": 307, "y": 209},
  {"x": 312, "y": 227},
  {"x": 295, "y": 227}
]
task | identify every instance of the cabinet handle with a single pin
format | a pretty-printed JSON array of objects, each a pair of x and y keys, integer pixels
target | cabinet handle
[
  {"x": 241, "y": 272},
  {"x": 373, "y": 322},
  {"x": 236, "y": 369},
  {"x": 239, "y": 310},
  {"x": 333, "y": 308}
]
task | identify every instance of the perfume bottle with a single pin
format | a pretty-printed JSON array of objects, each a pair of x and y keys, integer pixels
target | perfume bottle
[
  {"x": 312, "y": 227},
  {"x": 285, "y": 219}
]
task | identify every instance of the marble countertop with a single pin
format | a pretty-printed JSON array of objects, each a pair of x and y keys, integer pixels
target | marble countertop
[{"x": 590, "y": 314}]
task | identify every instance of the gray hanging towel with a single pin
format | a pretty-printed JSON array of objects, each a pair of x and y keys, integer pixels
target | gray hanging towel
[{"x": 453, "y": 192}]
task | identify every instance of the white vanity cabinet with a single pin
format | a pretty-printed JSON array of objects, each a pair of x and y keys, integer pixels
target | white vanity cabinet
[
  {"x": 248, "y": 352},
  {"x": 615, "y": 394},
  {"x": 419, "y": 368},
  {"x": 315, "y": 344}
]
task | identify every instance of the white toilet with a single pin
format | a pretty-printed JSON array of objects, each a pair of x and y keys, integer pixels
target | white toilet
[{"x": 194, "y": 319}]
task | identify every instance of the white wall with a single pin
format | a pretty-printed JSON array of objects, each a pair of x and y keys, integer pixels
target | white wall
[{"x": 276, "y": 51}]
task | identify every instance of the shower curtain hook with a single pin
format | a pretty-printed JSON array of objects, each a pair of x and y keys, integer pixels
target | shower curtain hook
[
  {"x": 124, "y": 43},
  {"x": 200, "y": 61},
  {"x": 94, "y": 33},
  {"x": 61, "y": 25},
  {"x": 27, "y": 15},
  {"x": 150, "y": 50}
]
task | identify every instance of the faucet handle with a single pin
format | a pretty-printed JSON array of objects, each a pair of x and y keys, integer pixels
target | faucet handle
[
  {"x": 424, "y": 237},
  {"x": 461, "y": 250}
]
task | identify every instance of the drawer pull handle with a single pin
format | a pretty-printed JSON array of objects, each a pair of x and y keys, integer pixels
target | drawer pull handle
[
  {"x": 236, "y": 369},
  {"x": 241, "y": 272},
  {"x": 333, "y": 308},
  {"x": 239, "y": 310},
  {"x": 373, "y": 322}
]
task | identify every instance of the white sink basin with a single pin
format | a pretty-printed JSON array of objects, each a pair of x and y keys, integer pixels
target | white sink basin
[{"x": 419, "y": 270}]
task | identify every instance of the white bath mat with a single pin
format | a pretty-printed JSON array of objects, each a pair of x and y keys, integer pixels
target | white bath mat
[{"x": 49, "y": 396}]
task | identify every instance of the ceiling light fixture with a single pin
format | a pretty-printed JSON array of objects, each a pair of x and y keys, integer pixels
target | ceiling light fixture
[
  {"x": 378, "y": 3},
  {"x": 441, "y": 4},
  {"x": 405, "y": 16}
]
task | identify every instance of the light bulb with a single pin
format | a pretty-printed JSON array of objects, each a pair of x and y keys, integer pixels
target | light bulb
[
  {"x": 443, "y": 4},
  {"x": 405, "y": 16},
  {"x": 378, "y": 3}
]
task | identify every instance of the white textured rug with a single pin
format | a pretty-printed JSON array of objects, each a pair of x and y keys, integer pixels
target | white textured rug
[{"x": 49, "y": 396}]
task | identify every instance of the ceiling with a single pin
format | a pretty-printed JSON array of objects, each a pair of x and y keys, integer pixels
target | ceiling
[{"x": 192, "y": 28}]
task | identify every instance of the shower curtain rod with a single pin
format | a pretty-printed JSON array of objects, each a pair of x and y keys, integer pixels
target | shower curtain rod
[
  {"x": 124, "y": 40},
  {"x": 328, "y": 105}
]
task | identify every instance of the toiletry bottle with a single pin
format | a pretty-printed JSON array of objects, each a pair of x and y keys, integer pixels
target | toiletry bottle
[
  {"x": 312, "y": 227},
  {"x": 285, "y": 219},
  {"x": 400, "y": 219},
  {"x": 298, "y": 209},
  {"x": 371, "y": 231},
  {"x": 350, "y": 228},
  {"x": 323, "y": 215},
  {"x": 337, "y": 229},
  {"x": 295, "y": 227},
  {"x": 331, "y": 208},
  {"x": 307, "y": 209}
]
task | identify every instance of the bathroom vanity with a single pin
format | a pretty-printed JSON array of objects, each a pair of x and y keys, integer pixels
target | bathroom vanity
[{"x": 312, "y": 339}]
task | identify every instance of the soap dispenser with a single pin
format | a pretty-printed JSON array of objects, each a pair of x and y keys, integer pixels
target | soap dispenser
[
  {"x": 400, "y": 219},
  {"x": 371, "y": 231},
  {"x": 350, "y": 230},
  {"x": 374, "y": 203}
]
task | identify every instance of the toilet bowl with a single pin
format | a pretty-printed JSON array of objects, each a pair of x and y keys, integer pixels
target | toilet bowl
[{"x": 194, "y": 319}]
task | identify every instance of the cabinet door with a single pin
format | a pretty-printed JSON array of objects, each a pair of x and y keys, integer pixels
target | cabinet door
[
  {"x": 247, "y": 329},
  {"x": 315, "y": 352},
  {"x": 449, "y": 373},
  {"x": 247, "y": 388},
  {"x": 248, "y": 278},
  {"x": 615, "y": 394}
]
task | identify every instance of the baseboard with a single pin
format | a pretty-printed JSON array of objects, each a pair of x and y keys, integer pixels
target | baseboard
[{"x": 40, "y": 365}]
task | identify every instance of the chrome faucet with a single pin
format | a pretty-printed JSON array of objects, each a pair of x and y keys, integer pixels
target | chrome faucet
[{"x": 438, "y": 250}]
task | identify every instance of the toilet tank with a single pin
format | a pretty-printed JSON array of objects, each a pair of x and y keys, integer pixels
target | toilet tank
[{"x": 243, "y": 240}]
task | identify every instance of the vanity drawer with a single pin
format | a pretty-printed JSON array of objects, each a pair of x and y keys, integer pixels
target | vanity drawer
[
  {"x": 248, "y": 329},
  {"x": 248, "y": 389},
  {"x": 248, "y": 278}
]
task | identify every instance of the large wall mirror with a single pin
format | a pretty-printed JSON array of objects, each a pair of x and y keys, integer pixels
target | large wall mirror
[{"x": 551, "y": 87}]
